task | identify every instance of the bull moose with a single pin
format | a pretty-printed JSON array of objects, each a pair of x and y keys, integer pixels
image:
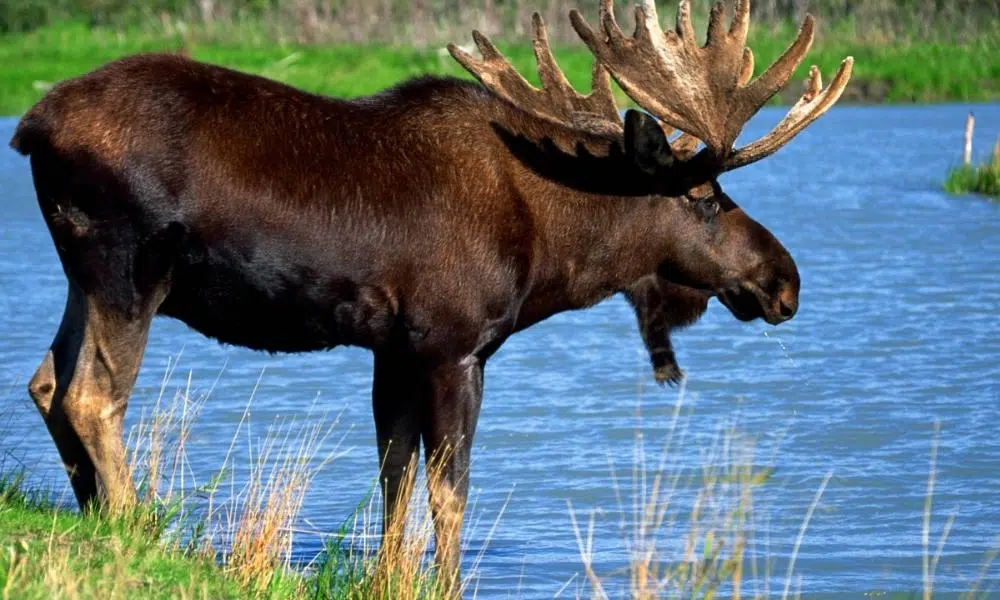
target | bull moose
[{"x": 428, "y": 222}]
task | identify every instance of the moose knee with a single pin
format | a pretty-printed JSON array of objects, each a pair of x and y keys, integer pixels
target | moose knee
[{"x": 42, "y": 386}]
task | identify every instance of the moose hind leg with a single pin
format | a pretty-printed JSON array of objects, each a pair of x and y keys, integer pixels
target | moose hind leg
[
  {"x": 42, "y": 389},
  {"x": 82, "y": 390}
]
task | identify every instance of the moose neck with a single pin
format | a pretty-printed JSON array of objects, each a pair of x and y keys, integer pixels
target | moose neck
[{"x": 598, "y": 226}]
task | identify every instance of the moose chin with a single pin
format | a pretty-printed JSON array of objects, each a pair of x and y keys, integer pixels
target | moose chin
[{"x": 427, "y": 223}]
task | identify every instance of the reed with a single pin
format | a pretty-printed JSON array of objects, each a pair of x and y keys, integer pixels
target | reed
[{"x": 691, "y": 530}]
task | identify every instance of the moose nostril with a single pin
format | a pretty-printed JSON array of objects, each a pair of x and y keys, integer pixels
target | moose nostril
[{"x": 788, "y": 302}]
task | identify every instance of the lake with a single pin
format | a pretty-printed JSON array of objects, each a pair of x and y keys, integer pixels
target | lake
[{"x": 899, "y": 328}]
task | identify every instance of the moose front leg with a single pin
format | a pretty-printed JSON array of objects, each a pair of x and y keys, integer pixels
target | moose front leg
[
  {"x": 456, "y": 393},
  {"x": 660, "y": 308},
  {"x": 397, "y": 410}
]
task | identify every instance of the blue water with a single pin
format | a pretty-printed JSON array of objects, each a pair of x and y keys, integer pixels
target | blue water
[{"x": 898, "y": 329}]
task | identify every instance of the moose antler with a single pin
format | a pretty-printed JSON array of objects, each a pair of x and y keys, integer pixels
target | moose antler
[
  {"x": 707, "y": 91},
  {"x": 557, "y": 100}
]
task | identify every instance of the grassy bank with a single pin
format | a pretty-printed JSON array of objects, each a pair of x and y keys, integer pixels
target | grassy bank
[
  {"x": 229, "y": 536},
  {"x": 895, "y": 71},
  {"x": 46, "y": 552}
]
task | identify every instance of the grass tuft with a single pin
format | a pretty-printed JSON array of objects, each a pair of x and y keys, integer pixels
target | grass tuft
[
  {"x": 983, "y": 178},
  {"x": 690, "y": 532}
]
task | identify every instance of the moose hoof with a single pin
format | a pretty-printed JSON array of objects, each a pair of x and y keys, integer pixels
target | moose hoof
[{"x": 668, "y": 374}]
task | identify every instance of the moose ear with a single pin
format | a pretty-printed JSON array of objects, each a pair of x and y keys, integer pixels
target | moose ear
[{"x": 646, "y": 143}]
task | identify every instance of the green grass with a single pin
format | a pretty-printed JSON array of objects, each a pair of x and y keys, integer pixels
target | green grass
[
  {"x": 50, "y": 552},
  {"x": 895, "y": 71},
  {"x": 975, "y": 179}
]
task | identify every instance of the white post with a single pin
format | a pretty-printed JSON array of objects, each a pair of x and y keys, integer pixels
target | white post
[{"x": 970, "y": 124}]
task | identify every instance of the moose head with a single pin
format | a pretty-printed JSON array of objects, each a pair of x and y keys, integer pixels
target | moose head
[{"x": 705, "y": 94}]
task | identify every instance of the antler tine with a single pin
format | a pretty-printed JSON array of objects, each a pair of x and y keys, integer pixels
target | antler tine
[
  {"x": 548, "y": 71},
  {"x": 608, "y": 22},
  {"x": 759, "y": 91},
  {"x": 556, "y": 101},
  {"x": 684, "y": 27},
  {"x": 715, "y": 32},
  {"x": 741, "y": 22},
  {"x": 814, "y": 102},
  {"x": 747, "y": 67},
  {"x": 600, "y": 101},
  {"x": 493, "y": 70}
]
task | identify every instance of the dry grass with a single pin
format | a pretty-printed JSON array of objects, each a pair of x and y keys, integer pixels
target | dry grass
[
  {"x": 695, "y": 533},
  {"x": 403, "y": 569},
  {"x": 690, "y": 533},
  {"x": 262, "y": 526},
  {"x": 254, "y": 523}
]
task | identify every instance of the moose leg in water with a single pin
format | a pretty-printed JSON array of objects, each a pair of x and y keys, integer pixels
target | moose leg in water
[
  {"x": 661, "y": 307},
  {"x": 398, "y": 409},
  {"x": 455, "y": 396}
]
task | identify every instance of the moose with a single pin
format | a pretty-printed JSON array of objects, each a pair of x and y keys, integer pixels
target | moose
[{"x": 428, "y": 223}]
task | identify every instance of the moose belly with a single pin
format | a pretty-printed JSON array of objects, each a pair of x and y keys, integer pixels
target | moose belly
[{"x": 268, "y": 302}]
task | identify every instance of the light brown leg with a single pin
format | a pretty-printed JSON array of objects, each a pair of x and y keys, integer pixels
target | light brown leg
[
  {"x": 81, "y": 390},
  {"x": 456, "y": 397},
  {"x": 43, "y": 389}
]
